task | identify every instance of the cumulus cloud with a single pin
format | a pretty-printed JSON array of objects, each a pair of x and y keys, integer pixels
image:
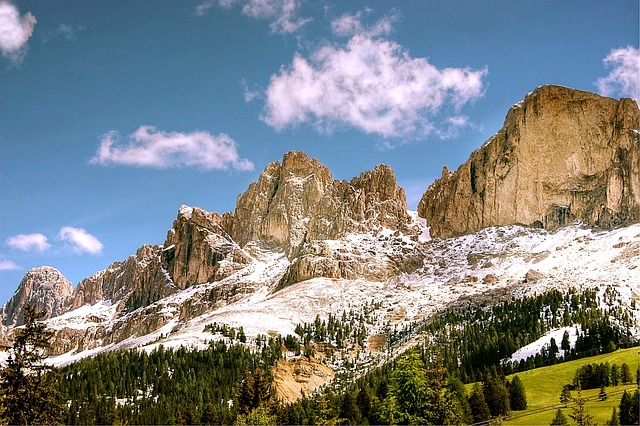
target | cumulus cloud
[
  {"x": 80, "y": 240},
  {"x": 371, "y": 84},
  {"x": 29, "y": 242},
  {"x": 624, "y": 78},
  {"x": 15, "y": 31},
  {"x": 149, "y": 147},
  {"x": 7, "y": 265},
  {"x": 283, "y": 14}
]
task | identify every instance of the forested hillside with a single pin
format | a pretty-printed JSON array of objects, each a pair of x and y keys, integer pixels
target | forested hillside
[{"x": 230, "y": 381}]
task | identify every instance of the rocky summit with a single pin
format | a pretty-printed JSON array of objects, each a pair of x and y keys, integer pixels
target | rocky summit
[
  {"x": 562, "y": 155},
  {"x": 301, "y": 245},
  {"x": 45, "y": 288}
]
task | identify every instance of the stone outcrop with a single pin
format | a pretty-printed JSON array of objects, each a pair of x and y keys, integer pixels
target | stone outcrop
[
  {"x": 562, "y": 155},
  {"x": 138, "y": 281},
  {"x": 45, "y": 288},
  {"x": 299, "y": 201},
  {"x": 199, "y": 250},
  {"x": 299, "y": 376}
]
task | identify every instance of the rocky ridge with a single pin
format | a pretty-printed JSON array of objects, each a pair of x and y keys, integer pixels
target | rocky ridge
[
  {"x": 295, "y": 211},
  {"x": 562, "y": 155},
  {"x": 301, "y": 244}
]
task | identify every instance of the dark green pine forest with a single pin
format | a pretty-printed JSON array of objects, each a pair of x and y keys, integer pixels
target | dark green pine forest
[{"x": 230, "y": 382}]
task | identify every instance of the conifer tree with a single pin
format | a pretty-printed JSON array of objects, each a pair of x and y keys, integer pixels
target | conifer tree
[
  {"x": 625, "y": 374},
  {"x": 629, "y": 408},
  {"x": 565, "y": 345},
  {"x": 615, "y": 419},
  {"x": 27, "y": 382},
  {"x": 495, "y": 393},
  {"x": 565, "y": 396},
  {"x": 560, "y": 419},
  {"x": 517, "y": 394},
  {"x": 363, "y": 400},
  {"x": 479, "y": 407},
  {"x": 349, "y": 410}
]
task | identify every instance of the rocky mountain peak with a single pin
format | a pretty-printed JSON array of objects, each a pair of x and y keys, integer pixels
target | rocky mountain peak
[
  {"x": 299, "y": 201},
  {"x": 562, "y": 155},
  {"x": 45, "y": 288}
]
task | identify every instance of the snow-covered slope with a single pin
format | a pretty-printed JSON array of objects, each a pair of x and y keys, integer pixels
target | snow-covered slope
[{"x": 486, "y": 266}]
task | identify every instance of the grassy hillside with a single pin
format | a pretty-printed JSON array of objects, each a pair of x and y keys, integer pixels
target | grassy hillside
[{"x": 544, "y": 385}]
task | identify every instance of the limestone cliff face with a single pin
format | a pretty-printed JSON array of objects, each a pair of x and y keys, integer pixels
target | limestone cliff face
[
  {"x": 562, "y": 155},
  {"x": 299, "y": 201},
  {"x": 138, "y": 281},
  {"x": 45, "y": 288},
  {"x": 199, "y": 250}
]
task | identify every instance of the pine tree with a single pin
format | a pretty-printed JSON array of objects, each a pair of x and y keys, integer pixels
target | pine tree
[
  {"x": 363, "y": 400},
  {"x": 565, "y": 396},
  {"x": 614, "y": 420},
  {"x": 495, "y": 393},
  {"x": 629, "y": 408},
  {"x": 479, "y": 407},
  {"x": 349, "y": 410},
  {"x": 254, "y": 391},
  {"x": 27, "y": 383},
  {"x": 560, "y": 419},
  {"x": 517, "y": 394},
  {"x": 625, "y": 374},
  {"x": 565, "y": 345}
]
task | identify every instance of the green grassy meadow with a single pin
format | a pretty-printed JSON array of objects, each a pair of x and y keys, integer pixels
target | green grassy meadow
[{"x": 544, "y": 385}]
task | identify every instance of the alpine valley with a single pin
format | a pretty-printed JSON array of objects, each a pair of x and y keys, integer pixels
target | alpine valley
[{"x": 550, "y": 203}]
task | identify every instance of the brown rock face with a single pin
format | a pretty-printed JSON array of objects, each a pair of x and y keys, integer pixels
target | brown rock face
[
  {"x": 45, "y": 288},
  {"x": 562, "y": 155},
  {"x": 138, "y": 281},
  {"x": 299, "y": 201},
  {"x": 196, "y": 247},
  {"x": 299, "y": 376}
]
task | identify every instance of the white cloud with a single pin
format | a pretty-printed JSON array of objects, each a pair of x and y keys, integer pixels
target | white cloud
[
  {"x": 371, "y": 84},
  {"x": 80, "y": 240},
  {"x": 624, "y": 78},
  {"x": 202, "y": 8},
  {"x": 149, "y": 147},
  {"x": 8, "y": 265},
  {"x": 348, "y": 25},
  {"x": 15, "y": 31},
  {"x": 283, "y": 14},
  {"x": 29, "y": 242}
]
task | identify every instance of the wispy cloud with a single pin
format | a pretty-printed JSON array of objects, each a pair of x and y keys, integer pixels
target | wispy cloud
[
  {"x": 371, "y": 84},
  {"x": 149, "y": 147},
  {"x": 62, "y": 31},
  {"x": 80, "y": 241},
  {"x": 15, "y": 31},
  {"x": 29, "y": 242},
  {"x": 624, "y": 78},
  {"x": 283, "y": 14},
  {"x": 8, "y": 265}
]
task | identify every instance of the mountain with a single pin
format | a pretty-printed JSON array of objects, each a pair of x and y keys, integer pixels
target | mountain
[
  {"x": 301, "y": 244},
  {"x": 45, "y": 288},
  {"x": 562, "y": 155}
]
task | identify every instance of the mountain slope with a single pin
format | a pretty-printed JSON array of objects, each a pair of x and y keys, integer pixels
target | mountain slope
[{"x": 301, "y": 244}]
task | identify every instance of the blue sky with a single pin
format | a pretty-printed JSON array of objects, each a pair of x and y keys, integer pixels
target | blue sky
[{"x": 114, "y": 113}]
